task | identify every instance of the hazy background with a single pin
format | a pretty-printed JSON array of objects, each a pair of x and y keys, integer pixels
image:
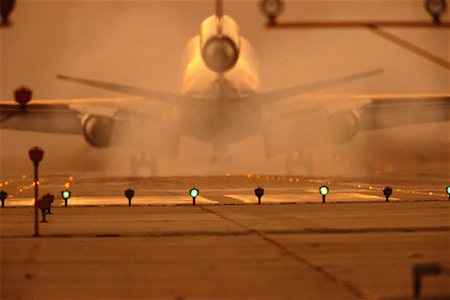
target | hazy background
[{"x": 140, "y": 43}]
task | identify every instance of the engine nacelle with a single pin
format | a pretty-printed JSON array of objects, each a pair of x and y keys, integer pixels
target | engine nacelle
[
  {"x": 343, "y": 126},
  {"x": 220, "y": 43},
  {"x": 97, "y": 130}
]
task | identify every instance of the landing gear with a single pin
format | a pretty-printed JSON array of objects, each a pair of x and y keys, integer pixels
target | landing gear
[
  {"x": 140, "y": 161},
  {"x": 218, "y": 158},
  {"x": 303, "y": 160},
  {"x": 221, "y": 155}
]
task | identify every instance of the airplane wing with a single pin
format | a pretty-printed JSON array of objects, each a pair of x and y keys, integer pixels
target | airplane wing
[
  {"x": 388, "y": 112},
  {"x": 101, "y": 121},
  {"x": 274, "y": 96},
  {"x": 50, "y": 118},
  {"x": 158, "y": 96},
  {"x": 263, "y": 98},
  {"x": 56, "y": 115},
  {"x": 316, "y": 123}
]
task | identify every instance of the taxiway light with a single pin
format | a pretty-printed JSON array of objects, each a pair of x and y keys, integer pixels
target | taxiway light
[
  {"x": 259, "y": 192},
  {"x": 436, "y": 8},
  {"x": 3, "y": 196},
  {"x": 324, "y": 192},
  {"x": 447, "y": 189},
  {"x": 65, "y": 195},
  {"x": 387, "y": 191},
  {"x": 272, "y": 8},
  {"x": 129, "y": 194},
  {"x": 194, "y": 193}
]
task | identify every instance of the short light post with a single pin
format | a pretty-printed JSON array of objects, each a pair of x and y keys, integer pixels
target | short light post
[
  {"x": 44, "y": 205},
  {"x": 129, "y": 194},
  {"x": 36, "y": 155},
  {"x": 259, "y": 192},
  {"x": 22, "y": 96},
  {"x": 387, "y": 191},
  {"x": 436, "y": 8},
  {"x": 323, "y": 190},
  {"x": 194, "y": 194},
  {"x": 6, "y": 7},
  {"x": 65, "y": 195},
  {"x": 447, "y": 189},
  {"x": 3, "y": 196},
  {"x": 49, "y": 198}
]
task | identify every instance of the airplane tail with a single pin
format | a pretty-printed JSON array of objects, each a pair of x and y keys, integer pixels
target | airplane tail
[{"x": 219, "y": 9}]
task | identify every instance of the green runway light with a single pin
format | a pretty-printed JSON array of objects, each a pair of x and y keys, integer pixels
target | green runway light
[
  {"x": 194, "y": 193},
  {"x": 447, "y": 189},
  {"x": 65, "y": 195},
  {"x": 323, "y": 190}
]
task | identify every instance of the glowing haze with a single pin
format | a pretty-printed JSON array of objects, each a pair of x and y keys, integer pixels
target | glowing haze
[{"x": 141, "y": 43}]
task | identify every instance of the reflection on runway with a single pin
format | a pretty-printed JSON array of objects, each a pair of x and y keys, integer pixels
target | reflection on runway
[
  {"x": 311, "y": 197},
  {"x": 96, "y": 190},
  {"x": 110, "y": 201}
]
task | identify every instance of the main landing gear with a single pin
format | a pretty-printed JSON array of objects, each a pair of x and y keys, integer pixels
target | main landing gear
[
  {"x": 218, "y": 158},
  {"x": 141, "y": 161},
  {"x": 302, "y": 160}
]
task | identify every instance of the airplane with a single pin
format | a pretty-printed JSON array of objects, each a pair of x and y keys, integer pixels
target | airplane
[{"x": 219, "y": 104}]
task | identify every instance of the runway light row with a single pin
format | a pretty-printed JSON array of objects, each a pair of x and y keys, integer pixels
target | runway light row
[
  {"x": 323, "y": 190},
  {"x": 22, "y": 188},
  {"x": 359, "y": 186}
]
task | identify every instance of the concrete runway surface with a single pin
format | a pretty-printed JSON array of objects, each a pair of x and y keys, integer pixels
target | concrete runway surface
[{"x": 354, "y": 246}]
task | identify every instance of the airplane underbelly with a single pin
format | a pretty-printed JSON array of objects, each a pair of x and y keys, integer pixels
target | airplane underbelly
[{"x": 219, "y": 125}]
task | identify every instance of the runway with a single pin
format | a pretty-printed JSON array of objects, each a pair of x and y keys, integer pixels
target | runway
[
  {"x": 99, "y": 190},
  {"x": 293, "y": 251},
  {"x": 292, "y": 246}
]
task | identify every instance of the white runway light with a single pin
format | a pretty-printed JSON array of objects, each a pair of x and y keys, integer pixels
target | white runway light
[
  {"x": 65, "y": 195},
  {"x": 324, "y": 192},
  {"x": 194, "y": 193}
]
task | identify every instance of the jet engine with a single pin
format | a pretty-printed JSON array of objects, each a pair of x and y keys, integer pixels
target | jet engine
[
  {"x": 219, "y": 43},
  {"x": 343, "y": 126},
  {"x": 97, "y": 130}
]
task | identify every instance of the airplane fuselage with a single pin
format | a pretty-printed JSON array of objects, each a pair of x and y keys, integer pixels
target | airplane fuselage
[{"x": 220, "y": 67}]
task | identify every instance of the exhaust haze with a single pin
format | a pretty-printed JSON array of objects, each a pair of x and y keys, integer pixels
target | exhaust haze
[{"x": 141, "y": 43}]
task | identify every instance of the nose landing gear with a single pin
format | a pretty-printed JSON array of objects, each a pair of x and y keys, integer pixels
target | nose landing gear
[
  {"x": 303, "y": 160},
  {"x": 141, "y": 161}
]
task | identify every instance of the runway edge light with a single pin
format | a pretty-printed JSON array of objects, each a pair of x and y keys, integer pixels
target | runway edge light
[
  {"x": 436, "y": 8},
  {"x": 259, "y": 192},
  {"x": 65, "y": 195},
  {"x": 324, "y": 192},
  {"x": 387, "y": 191},
  {"x": 129, "y": 194},
  {"x": 447, "y": 189},
  {"x": 193, "y": 193}
]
